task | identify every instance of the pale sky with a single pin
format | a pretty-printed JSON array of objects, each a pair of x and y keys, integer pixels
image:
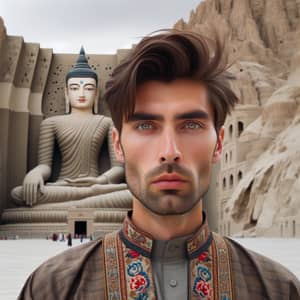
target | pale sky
[{"x": 100, "y": 26}]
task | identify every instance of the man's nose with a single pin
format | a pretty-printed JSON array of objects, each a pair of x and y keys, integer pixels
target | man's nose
[{"x": 169, "y": 150}]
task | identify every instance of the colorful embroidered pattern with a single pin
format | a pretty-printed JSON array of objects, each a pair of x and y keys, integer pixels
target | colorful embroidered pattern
[
  {"x": 113, "y": 285},
  {"x": 223, "y": 261},
  {"x": 202, "y": 283},
  {"x": 198, "y": 239},
  {"x": 129, "y": 273},
  {"x": 139, "y": 239},
  {"x": 211, "y": 273},
  {"x": 202, "y": 276},
  {"x": 139, "y": 280}
]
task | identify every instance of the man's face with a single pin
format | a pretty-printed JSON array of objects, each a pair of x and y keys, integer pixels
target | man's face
[
  {"x": 168, "y": 146},
  {"x": 81, "y": 92}
]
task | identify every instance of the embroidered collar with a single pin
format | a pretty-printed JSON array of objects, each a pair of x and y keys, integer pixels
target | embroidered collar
[{"x": 142, "y": 242}]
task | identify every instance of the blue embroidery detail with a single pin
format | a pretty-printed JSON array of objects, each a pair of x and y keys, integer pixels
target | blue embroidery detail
[
  {"x": 139, "y": 282},
  {"x": 201, "y": 286}
]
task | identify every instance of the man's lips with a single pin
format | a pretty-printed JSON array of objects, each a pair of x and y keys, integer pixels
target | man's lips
[
  {"x": 169, "y": 182},
  {"x": 81, "y": 100}
]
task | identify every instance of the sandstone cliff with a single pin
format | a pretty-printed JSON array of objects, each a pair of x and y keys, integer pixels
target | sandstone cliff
[
  {"x": 264, "y": 42},
  {"x": 2, "y": 32}
]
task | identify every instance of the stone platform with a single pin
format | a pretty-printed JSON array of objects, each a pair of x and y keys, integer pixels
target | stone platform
[{"x": 40, "y": 223}]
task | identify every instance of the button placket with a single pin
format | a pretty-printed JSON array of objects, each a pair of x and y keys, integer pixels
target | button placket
[{"x": 173, "y": 283}]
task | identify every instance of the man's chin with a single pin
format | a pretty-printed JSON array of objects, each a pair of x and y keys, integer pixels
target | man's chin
[{"x": 170, "y": 207}]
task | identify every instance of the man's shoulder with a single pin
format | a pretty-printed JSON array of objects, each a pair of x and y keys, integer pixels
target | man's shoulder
[
  {"x": 77, "y": 270},
  {"x": 73, "y": 257},
  {"x": 257, "y": 272}
]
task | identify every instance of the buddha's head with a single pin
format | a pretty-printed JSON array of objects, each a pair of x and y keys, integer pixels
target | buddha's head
[{"x": 81, "y": 90}]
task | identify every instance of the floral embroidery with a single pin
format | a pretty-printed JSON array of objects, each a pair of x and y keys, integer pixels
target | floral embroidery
[
  {"x": 198, "y": 239},
  {"x": 129, "y": 273},
  {"x": 202, "y": 285},
  {"x": 137, "y": 238},
  {"x": 132, "y": 254},
  {"x": 204, "y": 256},
  {"x": 139, "y": 281},
  {"x": 202, "y": 288}
]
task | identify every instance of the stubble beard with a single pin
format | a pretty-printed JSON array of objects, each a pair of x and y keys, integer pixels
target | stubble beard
[{"x": 164, "y": 202}]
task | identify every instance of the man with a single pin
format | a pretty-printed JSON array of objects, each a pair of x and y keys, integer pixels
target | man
[{"x": 168, "y": 100}]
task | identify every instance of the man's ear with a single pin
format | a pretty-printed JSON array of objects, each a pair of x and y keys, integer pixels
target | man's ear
[
  {"x": 219, "y": 146},
  {"x": 117, "y": 145}
]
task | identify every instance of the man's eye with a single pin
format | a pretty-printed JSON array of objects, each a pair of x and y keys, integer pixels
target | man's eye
[
  {"x": 192, "y": 125},
  {"x": 73, "y": 88},
  {"x": 144, "y": 126}
]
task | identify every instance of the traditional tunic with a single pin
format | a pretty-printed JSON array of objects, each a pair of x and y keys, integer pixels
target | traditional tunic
[{"x": 129, "y": 264}]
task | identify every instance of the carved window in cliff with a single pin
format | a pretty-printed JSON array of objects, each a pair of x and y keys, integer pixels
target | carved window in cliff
[
  {"x": 240, "y": 175},
  {"x": 224, "y": 183},
  {"x": 230, "y": 156},
  {"x": 231, "y": 181},
  {"x": 240, "y": 127},
  {"x": 230, "y": 130},
  {"x": 226, "y": 158}
]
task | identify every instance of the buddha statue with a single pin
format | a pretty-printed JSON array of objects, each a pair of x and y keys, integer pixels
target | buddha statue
[{"x": 79, "y": 134}]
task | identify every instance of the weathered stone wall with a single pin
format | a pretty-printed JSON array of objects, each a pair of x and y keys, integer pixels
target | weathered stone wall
[{"x": 258, "y": 185}]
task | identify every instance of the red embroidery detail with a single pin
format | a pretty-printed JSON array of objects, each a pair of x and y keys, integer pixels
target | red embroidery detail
[
  {"x": 203, "y": 288},
  {"x": 133, "y": 253},
  {"x": 203, "y": 256},
  {"x": 138, "y": 283}
]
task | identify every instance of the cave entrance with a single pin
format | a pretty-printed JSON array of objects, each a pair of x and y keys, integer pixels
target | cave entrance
[{"x": 80, "y": 228}]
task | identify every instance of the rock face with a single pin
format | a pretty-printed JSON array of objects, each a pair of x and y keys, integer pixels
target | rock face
[
  {"x": 264, "y": 43},
  {"x": 2, "y": 31}
]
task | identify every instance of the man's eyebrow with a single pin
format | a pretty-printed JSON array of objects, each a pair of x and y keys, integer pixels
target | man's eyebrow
[
  {"x": 73, "y": 84},
  {"x": 195, "y": 114},
  {"x": 144, "y": 117}
]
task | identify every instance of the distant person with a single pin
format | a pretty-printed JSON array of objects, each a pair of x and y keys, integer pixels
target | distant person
[
  {"x": 69, "y": 240},
  {"x": 168, "y": 99},
  {"x": 54, "y": 237}
]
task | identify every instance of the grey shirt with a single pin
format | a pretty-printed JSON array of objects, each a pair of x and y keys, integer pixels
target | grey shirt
[{"x": 170, "y": 269}]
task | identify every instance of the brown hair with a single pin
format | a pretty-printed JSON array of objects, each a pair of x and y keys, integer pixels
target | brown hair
[{"x": 166, "y": 56}]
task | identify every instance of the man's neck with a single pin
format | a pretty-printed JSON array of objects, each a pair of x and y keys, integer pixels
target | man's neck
[{"x": 166, "y": 227}]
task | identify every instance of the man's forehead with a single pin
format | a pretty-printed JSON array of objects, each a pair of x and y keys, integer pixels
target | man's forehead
[{"x": 177, "y": 97}]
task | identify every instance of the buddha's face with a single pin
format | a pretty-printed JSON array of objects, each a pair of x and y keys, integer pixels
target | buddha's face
[{"x": 81, "y": 93}]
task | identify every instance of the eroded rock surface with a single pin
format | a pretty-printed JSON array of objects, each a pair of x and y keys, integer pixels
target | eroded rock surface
[{"x": 264, "y": 43}]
